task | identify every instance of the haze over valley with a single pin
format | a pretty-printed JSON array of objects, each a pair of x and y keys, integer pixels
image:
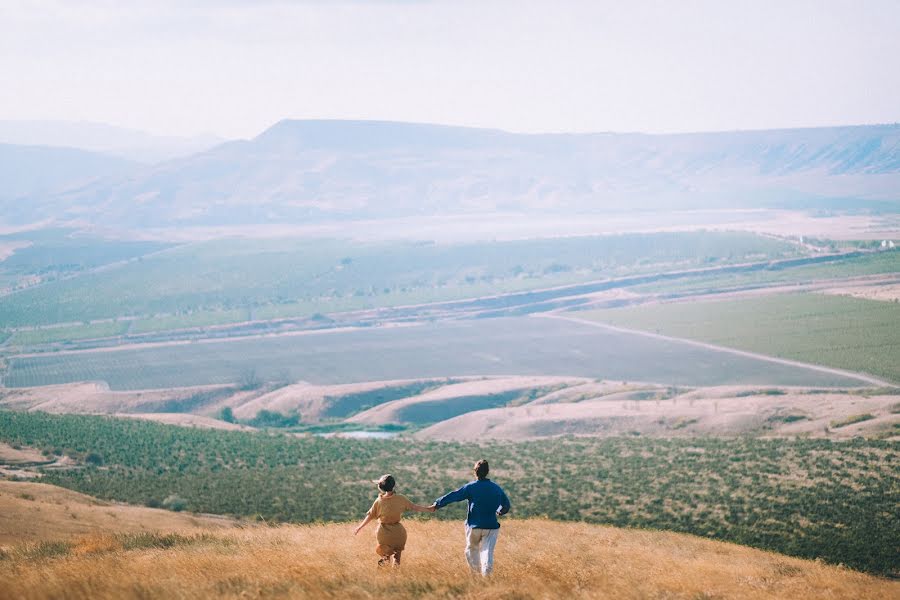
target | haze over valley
[{"x": 649, "y": 270}]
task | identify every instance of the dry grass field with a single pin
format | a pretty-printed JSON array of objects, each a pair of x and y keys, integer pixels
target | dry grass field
[
  {"x": 36, "y": 512},
  {"x": 535, "y": 559}
]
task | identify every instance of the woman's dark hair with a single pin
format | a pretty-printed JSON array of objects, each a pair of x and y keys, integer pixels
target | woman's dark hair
[
  {"x": 386, "y": 483},
  {"x": 481, "y": 469}
]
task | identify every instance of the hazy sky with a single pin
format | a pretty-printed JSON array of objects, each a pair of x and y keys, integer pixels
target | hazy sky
[{"x": 234, "y": 67}]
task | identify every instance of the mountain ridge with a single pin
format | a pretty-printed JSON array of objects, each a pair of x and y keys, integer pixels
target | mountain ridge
[{"x": 301, "y": 171}]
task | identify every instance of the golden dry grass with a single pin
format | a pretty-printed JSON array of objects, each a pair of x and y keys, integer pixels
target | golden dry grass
[
  {"x": 33, "y": 512},
  {"x": 535, "y": 559}
]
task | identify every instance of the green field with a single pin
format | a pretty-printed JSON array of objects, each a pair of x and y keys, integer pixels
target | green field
[
  {"x": 843, "y": 332},
  {"x": 54, "y": 253},
  {"x": 879, "y": 263},
  {"x": 68, "y": 333},
  {"x": 519, "y": 345},
  {"x": 809, "y": 498},
  {"x": 324, "y": 275},
  {"x": 193, "y": 319}
]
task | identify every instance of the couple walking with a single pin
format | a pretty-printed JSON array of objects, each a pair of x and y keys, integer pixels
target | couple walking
[{"x": 486, "y": 500}]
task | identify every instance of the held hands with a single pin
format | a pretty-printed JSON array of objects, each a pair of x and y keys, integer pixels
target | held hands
[{"x": 432, "y": 508}]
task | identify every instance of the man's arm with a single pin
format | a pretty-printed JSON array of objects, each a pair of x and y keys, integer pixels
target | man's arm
[
  {"x": 504, "y": 503},
  {"x": 456, "y": 496}
]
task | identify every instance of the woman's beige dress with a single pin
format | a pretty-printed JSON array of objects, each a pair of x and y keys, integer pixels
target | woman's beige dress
[{"x": 391, "y": 535}]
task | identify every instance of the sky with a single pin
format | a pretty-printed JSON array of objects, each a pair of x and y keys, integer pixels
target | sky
[{"x": 235, "y": 67}]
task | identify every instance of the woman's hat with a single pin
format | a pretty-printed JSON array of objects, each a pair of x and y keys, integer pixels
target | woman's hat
[{"x": 385, "y": 482}]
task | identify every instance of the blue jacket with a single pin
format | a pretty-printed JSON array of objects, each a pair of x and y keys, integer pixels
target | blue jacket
[{"x": 486, "y": 501}]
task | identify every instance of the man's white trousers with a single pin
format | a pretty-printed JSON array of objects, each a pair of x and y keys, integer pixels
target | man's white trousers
[{"x": 480, "y": 549}]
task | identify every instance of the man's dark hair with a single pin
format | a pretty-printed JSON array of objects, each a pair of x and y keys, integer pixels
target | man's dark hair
[{"x": 481, "y": 469}]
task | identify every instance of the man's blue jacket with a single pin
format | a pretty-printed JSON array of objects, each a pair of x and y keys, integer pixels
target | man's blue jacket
[{"x": 486, "y": 501}]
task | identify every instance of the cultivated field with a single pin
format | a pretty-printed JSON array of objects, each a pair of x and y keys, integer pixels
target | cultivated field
[
  {"x": 804, "y": 497},
  {"x": 877, "y": 263},
  {"x": 535, "y": 559},
  {"x": 522, "y": 346},
  {"x": 848, "y": 333},
  {"x": 231, "y": 280}
]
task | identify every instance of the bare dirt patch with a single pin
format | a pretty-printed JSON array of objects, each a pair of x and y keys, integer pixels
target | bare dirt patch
[
  {"x": 309, "y": 400},
  {"x": 390, "y": 412},
  {"x": 731, "y": 410},
  {"x": 18, "y": 456},
  {"x": 889, "y": 292},
  {"x": 187, "y": 420},
  {"x": 95, "y": 398},
  {"x": 7, "y": 249}
]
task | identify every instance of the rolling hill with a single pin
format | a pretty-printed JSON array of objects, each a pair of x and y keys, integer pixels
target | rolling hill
[
  {"x": 302, "y": 171},
  {"x": 31, "y": 175},
  {"x": 536, "y": 558},
  {"x": 130, "y": 144},
  {"x": 37, "y": 512}
]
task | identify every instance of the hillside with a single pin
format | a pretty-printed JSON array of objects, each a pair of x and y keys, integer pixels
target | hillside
[
  {"x": 535, "y": 559},
  {"x": 127, "y": 143},
  {"x": 714, "y": 411},
  {"x": 37, "y": 172},
  {"x": 302, "y": 171},
  {"x": 35, "y": 512}
]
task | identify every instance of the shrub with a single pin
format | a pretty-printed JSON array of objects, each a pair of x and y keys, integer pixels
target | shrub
[
  {"x": 174, "y": 503},
  {"x": 43, "y": 550},
  {"x": 227, "y": 415},
  {"x": 852, "y": 419},
  {"x": 269, "y": 418}
]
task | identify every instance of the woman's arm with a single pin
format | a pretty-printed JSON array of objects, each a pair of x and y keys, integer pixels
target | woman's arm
[
  {"x": 419, "y": 508},
  {"x": 363, "y": 524}
]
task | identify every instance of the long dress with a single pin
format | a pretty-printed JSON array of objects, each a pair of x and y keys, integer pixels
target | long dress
[{"x": 391, "y": 535}]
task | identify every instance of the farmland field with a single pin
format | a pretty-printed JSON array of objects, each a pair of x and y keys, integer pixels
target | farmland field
[
  {"x": 49, "y": 254},
  {"x": 68, "y": 332},
  {"x": 809, "y": 498},
  {"x": 847, "y": 333},
  {"x": 878, "y": 263},
  {"x": 321, "y": 275},
  {"x": 521, "y": 346}
]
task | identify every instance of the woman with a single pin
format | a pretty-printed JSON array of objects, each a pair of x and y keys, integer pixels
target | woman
[{"x": 388, "y": 508}]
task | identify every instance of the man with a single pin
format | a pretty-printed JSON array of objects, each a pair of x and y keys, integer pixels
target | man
[{"x": 486, "y": 501}]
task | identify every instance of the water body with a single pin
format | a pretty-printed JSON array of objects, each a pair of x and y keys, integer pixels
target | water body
[{"x": 501, "y": 346}]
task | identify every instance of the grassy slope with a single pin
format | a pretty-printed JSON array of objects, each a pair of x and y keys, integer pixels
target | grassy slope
[
  {"x": 33, "y": 512},
  {"x": 811, "y": 498},
  {"x": 535, "y": 559},
  {"x": 848, "y": 333}
]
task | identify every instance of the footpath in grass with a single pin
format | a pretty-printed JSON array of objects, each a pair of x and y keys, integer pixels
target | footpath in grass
[{"x": 847, "y": 333}]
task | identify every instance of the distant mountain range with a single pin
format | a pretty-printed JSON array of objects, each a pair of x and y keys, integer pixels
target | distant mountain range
[
  {"x": 302, "y": 171},
  {"x": 122, "y": 142},
  {"x": 41, "y": 171}
]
